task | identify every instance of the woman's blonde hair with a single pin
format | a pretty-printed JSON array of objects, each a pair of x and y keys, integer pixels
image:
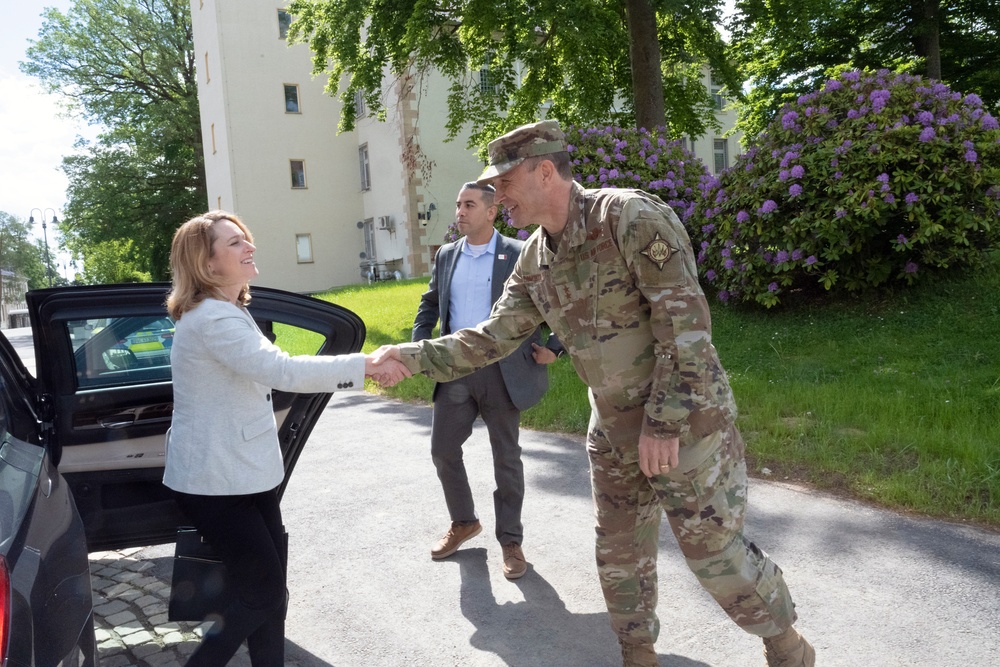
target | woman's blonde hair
[{"x": 189, "y": 254}]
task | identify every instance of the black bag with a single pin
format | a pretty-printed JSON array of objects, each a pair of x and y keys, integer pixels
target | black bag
[{"x": 199, "y": 585}]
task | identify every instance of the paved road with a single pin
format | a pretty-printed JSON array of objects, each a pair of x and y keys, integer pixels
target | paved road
[
  {"x": 873, "y": 588},
  {"x": 22, "y": 343}
]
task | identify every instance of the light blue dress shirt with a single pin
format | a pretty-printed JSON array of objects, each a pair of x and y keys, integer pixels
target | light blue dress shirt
[{"x": 471, "y": 288}]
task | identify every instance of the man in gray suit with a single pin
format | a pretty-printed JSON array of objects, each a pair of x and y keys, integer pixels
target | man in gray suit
[{"x": 467, "y": 279}]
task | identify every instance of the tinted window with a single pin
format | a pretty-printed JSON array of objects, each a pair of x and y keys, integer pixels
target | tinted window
[
  {"x": 19, "y": 466},
  {"x": 120, "y": 351}
]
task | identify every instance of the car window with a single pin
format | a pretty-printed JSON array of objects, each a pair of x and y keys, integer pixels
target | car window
[
  {"x": 295, "y": 340},
  {"x": 118, "y": 351},
  {"x": 110, "y": 352},
  {"x": 19, "y": 466}
]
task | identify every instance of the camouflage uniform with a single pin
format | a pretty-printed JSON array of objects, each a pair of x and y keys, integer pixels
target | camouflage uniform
[{"x": 621, "y": 291}]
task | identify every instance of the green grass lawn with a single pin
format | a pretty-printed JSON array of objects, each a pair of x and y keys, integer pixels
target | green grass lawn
[{"x": 892, "y": 398}]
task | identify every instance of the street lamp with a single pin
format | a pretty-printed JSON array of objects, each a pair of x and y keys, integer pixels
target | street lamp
[{"x": 45, "y": 236}]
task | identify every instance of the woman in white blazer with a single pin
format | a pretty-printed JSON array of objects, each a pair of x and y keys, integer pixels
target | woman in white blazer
[{"x": 223, "y": 459}]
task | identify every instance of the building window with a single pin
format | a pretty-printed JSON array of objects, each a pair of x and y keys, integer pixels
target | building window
[
  {"x": 721, "y": 155},
  {"x": 486, "y": 84},
  {"x": 304, "y": 248},
  {"x": 368, "y": 226},
  {"x": 291, "y": 98},
  {"x": 366, "y": 174},
  {"x": 284, "y": 21},
  {"x": 360, "y": 110},
  {"x": 213, "y": 139},
  {"x": 207, "y": 77},
  {"x": 718, "y": 100},
  {"x": 298, "y": 173},
  {"x": 218, "y": 203}
]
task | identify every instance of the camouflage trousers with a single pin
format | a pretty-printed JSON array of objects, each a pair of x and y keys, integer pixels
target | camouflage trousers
[{"x": 705, "y": 501}]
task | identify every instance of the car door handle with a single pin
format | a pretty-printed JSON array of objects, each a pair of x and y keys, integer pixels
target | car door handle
[{"x": 117, "y": 421}]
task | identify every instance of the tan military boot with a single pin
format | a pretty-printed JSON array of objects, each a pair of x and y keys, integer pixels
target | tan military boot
[
  {"x": 789, "y": 649},
  {"x": 638, "y": 655}
]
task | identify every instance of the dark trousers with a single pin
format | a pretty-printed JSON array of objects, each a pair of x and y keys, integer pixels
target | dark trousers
[
  {"x": 247, "y": 533},
  {"x": 456, "y": 406}
]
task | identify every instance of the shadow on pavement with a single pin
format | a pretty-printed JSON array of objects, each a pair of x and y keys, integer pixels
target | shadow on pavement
[
  {"x": 539, "y": 631},
  {"x": 296, "y": 655}
]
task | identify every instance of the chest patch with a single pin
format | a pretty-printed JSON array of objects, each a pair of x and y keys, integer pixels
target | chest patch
[
  {"x": 658, "y": 251},
  {"x": 597, "y": 249}
]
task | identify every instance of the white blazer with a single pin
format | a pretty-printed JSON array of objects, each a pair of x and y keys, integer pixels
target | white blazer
[{"x": 223, "y": 439}]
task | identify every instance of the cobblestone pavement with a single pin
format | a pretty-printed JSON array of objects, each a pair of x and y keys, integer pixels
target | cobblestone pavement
[{"x": 130, "y": 615}]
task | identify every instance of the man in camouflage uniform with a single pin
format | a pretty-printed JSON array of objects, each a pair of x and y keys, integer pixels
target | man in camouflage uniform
[{"x": 613, "y": 274}]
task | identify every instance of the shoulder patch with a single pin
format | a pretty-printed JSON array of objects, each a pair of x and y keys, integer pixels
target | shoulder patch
[{"x": 658, "y": 251}]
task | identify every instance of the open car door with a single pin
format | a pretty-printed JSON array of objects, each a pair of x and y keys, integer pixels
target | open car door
[{"x": 103, "y": 378}]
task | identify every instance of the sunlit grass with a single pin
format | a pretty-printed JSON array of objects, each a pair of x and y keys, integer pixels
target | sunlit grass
[
  {"x": 295, "y": 340},
  {"x": 893, "y": 398}
]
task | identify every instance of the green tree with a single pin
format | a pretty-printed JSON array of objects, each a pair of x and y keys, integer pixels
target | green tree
[
  {"x": 20, "y": 254},
  {"x": 113, "y": 262},
  {"x": 787, "y": 48},
  {"x": 128, "y": 66},
  {"x": 632, "y": 63}
]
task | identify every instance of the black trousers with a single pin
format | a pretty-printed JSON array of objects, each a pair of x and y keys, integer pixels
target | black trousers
[{"x": 247, "y": 533}]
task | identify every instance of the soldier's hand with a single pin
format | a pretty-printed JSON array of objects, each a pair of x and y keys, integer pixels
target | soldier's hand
[
  {"x": 542, "y": 354},
  {"x": 658, "y": 457},
  {"x": 387, "y": 372},
  {"x": 385, "y": 353}
]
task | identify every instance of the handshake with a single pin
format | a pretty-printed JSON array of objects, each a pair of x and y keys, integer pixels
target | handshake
[{"x": 385, "y": 366}]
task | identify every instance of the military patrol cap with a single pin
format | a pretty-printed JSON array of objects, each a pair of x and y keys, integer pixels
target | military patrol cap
[{"x": 510, "y": 150}]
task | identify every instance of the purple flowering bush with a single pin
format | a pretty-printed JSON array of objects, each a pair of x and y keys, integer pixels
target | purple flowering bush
[
  {"x": 501, "y": 224},
  {"x": 615, "y": 157},
  {"x": 877, "y": 178}
]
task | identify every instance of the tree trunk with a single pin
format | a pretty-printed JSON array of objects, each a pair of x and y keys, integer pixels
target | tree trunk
[
  {"x": 644, "y": 55},
  {"x": 927, "y": 35}
]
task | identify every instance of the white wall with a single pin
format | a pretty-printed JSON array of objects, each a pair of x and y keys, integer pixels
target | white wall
[
  {"x": 453, "y": 163},
  {"x": 704, "y": 147},
  {"x": 249, "y": 173}
]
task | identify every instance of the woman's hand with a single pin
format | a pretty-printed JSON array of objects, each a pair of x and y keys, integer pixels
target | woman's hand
[{"x": 386, "y": 370}]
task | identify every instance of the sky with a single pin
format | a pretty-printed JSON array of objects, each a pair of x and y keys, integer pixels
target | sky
[{"x": 33, "y": 136}]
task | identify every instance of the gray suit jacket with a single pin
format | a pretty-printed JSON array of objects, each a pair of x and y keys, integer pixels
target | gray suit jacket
[{"x": 525, "y": 380}]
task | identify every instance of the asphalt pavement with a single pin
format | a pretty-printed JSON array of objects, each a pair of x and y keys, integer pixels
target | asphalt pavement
[{"x": 873, "y": 588}]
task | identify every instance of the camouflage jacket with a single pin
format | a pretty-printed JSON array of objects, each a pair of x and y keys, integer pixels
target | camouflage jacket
[{"x": 621, "y": 292}]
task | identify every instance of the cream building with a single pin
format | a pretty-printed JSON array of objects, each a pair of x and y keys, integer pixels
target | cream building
[
  {"x": 13, "y": 307},
  {"x": 328, "y": 209}
]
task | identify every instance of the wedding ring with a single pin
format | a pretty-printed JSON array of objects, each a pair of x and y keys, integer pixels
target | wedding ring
[{"x": 665, "y": 466}]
